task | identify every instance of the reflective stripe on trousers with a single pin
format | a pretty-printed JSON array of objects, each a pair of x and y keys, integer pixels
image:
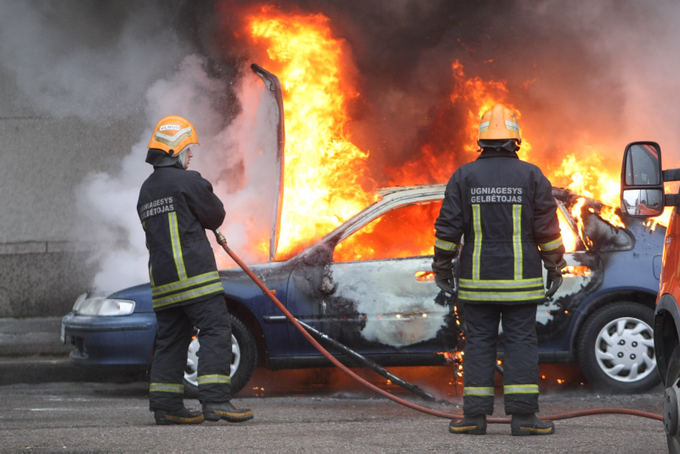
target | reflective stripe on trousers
[
  {"x": 176, "y": 388},
  {"x": 212, "y": 379},
  {"x": 520, "y": 364}
]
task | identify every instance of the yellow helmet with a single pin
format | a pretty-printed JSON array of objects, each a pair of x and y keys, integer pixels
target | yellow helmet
[
  {"x": 499, "y": 123},
  {"x": 172, "y": 134}
]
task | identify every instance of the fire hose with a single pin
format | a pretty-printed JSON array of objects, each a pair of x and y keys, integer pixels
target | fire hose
[{"x": 222, "y": 241}]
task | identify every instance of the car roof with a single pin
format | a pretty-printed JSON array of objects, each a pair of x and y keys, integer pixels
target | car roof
[{"x": 415, "y": 191}]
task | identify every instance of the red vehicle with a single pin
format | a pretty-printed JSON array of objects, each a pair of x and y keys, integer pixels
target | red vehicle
[{"x": 642, "y": 195}]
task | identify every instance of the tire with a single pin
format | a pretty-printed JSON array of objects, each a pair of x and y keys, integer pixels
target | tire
[
  {"x": 243, "y": 360},
  {"x": 616, "y": 348},
  {"x": 670, "y": 404}
]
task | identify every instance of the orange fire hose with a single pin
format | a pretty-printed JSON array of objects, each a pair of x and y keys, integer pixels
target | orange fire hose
[{"x": 442, "y": 414}]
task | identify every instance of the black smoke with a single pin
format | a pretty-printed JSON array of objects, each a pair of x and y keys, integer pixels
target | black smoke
[{"x": 579, "y": 73}]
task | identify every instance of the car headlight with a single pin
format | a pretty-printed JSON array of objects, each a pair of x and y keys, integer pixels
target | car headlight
[{"x": 102, "y": 306}]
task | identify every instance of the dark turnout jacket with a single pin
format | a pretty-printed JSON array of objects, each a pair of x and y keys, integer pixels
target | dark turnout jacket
[
  {"x": 175, "y": 207},
  {"x": 504, "y": 210}
]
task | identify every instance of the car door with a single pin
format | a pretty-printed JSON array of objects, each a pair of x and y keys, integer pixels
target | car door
[{"x": 375, "y": 290}]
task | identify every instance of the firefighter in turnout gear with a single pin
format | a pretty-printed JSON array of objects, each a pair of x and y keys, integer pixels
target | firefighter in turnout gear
[
  {"x": 503, "y": 212},
  {"x": 175, "y": 207}
]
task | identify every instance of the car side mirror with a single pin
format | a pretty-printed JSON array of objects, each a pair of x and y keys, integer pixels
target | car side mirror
[{"x": 642, "y": 192}]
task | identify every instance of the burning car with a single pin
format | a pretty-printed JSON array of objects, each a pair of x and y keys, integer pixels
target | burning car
[{"x": 381, "y": 300}]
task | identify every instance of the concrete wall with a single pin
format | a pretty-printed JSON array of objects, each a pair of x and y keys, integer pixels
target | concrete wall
[
  {"x": 41, "y": 278},
  {"x": 43, "y": 264}
]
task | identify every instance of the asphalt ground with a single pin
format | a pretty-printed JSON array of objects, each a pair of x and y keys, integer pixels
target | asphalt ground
[
  {"x": 51, "y": 405},
  {"x": 107, "y": 417}
]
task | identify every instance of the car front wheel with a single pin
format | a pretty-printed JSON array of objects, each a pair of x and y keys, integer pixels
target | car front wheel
[
  {"x": 243, "y": 360},
  {"x": 616, "y": 348}
]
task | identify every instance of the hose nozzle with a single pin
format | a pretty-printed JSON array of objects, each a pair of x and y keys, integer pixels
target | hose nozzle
[{"x": 221, "y": 240}]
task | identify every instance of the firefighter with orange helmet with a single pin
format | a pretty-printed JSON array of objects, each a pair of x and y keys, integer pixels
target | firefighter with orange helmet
[
  {"x": 175, "y": 207},
  {"x": 504, "y": 209}
]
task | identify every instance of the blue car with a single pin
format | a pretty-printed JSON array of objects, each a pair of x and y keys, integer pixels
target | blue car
[{"x": 381, "y": 301}]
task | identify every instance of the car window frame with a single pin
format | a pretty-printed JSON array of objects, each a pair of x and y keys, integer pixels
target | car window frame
[
  {"x": 367, "y": 218},
  {"x": 357, "y": 228}
]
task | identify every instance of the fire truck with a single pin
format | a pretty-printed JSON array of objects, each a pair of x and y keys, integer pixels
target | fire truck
[{"x": 643, "y": 196}]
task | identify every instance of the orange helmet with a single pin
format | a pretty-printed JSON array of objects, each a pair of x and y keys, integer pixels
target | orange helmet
[
  {"x": 172, "y": 134},
  {"x": 499, "y": 123}
]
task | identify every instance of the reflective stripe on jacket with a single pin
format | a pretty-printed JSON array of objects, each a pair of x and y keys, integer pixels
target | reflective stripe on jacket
[
  {"x": 175, "y": 207},
  {"x": 503, "y": 209}
]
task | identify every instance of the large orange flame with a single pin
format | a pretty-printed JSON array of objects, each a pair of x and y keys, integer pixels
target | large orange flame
[
  {"x": 323, "y": 170},
  {"x": 326, "y": 175}
]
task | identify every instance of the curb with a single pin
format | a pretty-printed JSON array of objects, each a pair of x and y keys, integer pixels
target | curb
[
  {"x": 37, "y": 336},
  {"x": 40, "y": 369}
]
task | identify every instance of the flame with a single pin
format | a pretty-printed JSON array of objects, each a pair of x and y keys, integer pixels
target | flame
[
  {"x": 575, "y": 270},
  {"x": 479, "y": 96},
  {"x": 326, "y": 173},
  {"x": 663, "y": 219},
  {"x": 456, "y": 360},
  {"x": 323, "y": 169},
  {"x": 424, "y": 276},
  {"x": 586, "y": 176},
  {"x": 589, "y": 176},
  {"x": 377, "y": 240},
  {"x": 569, "y": 238}
]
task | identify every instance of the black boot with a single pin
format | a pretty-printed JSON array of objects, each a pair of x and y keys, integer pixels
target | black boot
[
  {"x": 529, "y": 424},
  {"x": 183, "y": 416},
  {"x": 214, "y": 411},
  {"x": 472, "y": 425}
]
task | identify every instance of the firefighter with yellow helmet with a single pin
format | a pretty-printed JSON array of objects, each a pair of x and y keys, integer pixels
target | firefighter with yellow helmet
[
  {"x": 175, "y": 207},
  {"x": 504, "y": 211}
]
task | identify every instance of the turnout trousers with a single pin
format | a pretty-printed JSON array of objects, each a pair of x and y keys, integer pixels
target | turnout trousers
[
  {"x": 520, "y": 376},
  {"x": 175, "y": 328}
]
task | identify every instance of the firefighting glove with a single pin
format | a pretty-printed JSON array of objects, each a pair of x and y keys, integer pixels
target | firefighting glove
[
  {"x": 554, "y": 268},
  {"x": 554, "y": 281},
  {"x": 444, "y": 283},
  {"x": 443, "y": 266},
  {"x": 553, "y": 261}
]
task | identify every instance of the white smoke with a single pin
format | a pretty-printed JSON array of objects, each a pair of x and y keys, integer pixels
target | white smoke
[
  {"x": 243, "y": 150},
  {"x": 107, "y": 202},
  {"x": 249, "y": 146}
]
